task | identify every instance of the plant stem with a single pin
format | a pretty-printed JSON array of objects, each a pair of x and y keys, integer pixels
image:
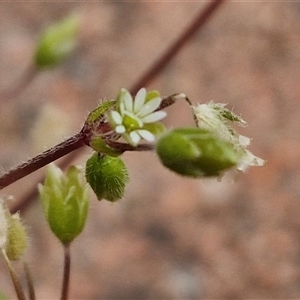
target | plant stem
[
  {"x": 154, "y": 70},
  {"x": 14, "y": 278},
  {"x": 31, "y": 194},
  {"x": 66, "y": 275},
  {"x": 67, "y": 146},
  {"x": 29, "y": 281},
  {"x": 160, "y": 64}
]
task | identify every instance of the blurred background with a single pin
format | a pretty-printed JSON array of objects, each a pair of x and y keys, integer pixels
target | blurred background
[{"x": 170, "y": 237}]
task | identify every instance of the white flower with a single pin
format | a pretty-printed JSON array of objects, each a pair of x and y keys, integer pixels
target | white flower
[
  {"x": 130, "y": 118},
  {"x": 216, "y": 118}
]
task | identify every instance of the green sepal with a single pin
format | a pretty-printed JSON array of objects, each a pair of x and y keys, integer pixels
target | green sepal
[
  {"x": 156, "y": 128},
  {"x": 152, "y": 94},
  {"x": 195, "y": 152},
  {"x": 17, "y": 240},
  {"x": 100, "y": 111},
  {"x": 98, "y": 144},
  {"x": 107, "y": 176},
  {"x": 56, "y": 42}
]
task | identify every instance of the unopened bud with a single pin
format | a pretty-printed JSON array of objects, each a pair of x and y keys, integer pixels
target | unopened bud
[
  {"x": 17, "y": 241},
  {"x": 107, "y": 176},
  {"x": 195, "y": 152},
  {"x": 65, "y": 201},
  {"x": 56, "y": 43}
]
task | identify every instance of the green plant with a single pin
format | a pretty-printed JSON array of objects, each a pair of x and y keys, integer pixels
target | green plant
[{"x": 125, "y": 123}]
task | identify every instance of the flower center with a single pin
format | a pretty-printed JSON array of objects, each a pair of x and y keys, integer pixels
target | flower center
[{"x": 131, "y": 122}]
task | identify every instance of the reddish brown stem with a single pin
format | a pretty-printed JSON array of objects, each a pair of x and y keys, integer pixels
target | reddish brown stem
[
  {"x": 22, "y": 204},
  {"x": 156, "y": 68},
  {"x": 43, "y": 159},
  {"x": 66, "y": 275},
  {"x": 160, "y": 64}
]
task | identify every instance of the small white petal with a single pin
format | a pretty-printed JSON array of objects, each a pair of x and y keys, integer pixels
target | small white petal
[
  {"x": 244, "y": 141},
  {"x": 139, "y": 100},
  {"x": 120, "y": 129},
  {"x": 253, "y": 160},
  {"x": 121, "y": 107},
  {"x": 149, "y": 107},
  {"x": 146, "y": 135},
  {"x": 135, "y": 138},
  {"x": 248, "y": 160},
  {"x": 127, "y": 100},
  {"x": 117, "y": 118},
  {"x": 154, "y": 117}
]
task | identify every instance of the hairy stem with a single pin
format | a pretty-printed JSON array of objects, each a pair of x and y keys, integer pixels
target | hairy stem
[
  {"x": 66, "y": 275},
  {"x": 29, "y": 282},
  {"x": 152, "y": 72},
  {"x": 42, "y": 159},
  {"x": 17, "y": 285},
  {"x": 23, "y": 203}
]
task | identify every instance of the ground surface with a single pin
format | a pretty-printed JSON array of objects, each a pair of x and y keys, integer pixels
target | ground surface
[{"x": 171, "y": 237}]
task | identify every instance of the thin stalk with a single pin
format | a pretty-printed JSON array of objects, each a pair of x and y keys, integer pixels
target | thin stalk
[
  {"x": 186, "y": 36},
  {"x": 66, "y": 274},
  {"x": 157, "y": 66},
  {"x": 48, "y": 156},
  {"x": 31, "y": 194},
  {"x": 14, "y": 278},
  {"x": 29, "y": 281}
]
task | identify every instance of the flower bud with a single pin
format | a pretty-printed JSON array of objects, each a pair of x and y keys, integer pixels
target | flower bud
[
  {"x": 17, "y": 241},
  {"x": 13, "y": 237},
  {"x": 97, "y": 129},
  {"x": 65, "y": 201},
  {"x": 195, "y": 152},
  {"x": 107, "y": 176},
  {"x": 56, "y": 42}
]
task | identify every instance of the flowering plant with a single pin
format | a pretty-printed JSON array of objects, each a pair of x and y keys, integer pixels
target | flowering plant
[{"x": 209, "y": 149}]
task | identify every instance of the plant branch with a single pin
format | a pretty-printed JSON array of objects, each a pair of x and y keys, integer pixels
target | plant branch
[
  {"x": 29, "y": 282},
  {"x": 66, "y": 274},
  {"x": 161, "y": 63},
  {"x": 149, "y": 75},
  {"x": 14, "y": 277},
  {"x": 23, "y": 203},
  {"x": 42, "y": 159}
]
